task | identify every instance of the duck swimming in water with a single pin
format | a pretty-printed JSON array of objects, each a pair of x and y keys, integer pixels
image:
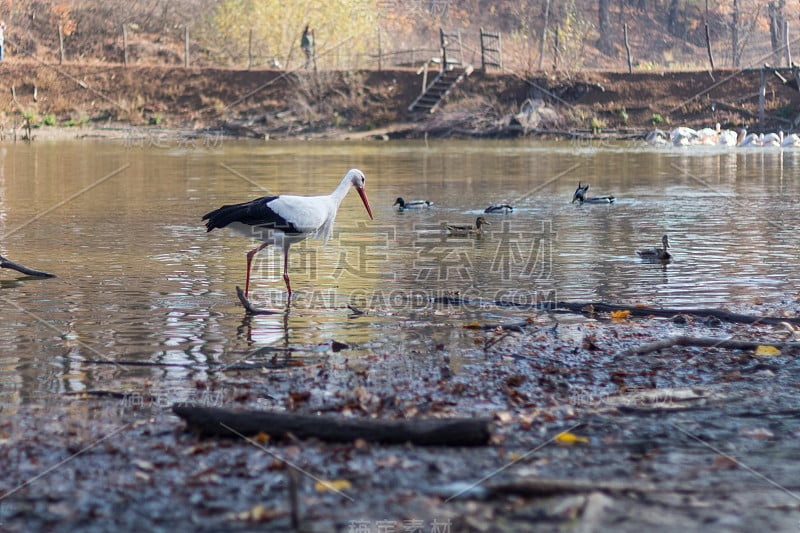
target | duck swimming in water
[
  {"x": 656, "y": 253},
  {"x": 468, "y": 229},
  {"x": 499, "y": 208},
  {"x": 580, "y": 195},
  {"x": 657, "y": 138},
  {"x": 791, "y": 139},
  {"x": 414, "y": 204},
  {"x": 748, "y": 139}
]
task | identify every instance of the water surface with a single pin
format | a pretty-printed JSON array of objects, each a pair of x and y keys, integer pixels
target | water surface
[{"x": 141, "y": 280}]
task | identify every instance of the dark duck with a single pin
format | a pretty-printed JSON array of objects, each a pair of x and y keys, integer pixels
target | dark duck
[{"x": 580, "y": 196}]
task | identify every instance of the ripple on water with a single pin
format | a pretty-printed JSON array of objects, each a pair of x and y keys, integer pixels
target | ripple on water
[{"x": 140, "y": 279}]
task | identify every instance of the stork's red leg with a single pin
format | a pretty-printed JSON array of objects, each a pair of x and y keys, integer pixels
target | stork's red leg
[
  {"x": 286, "y": 271},
  {"x": 250, "y": 255}
]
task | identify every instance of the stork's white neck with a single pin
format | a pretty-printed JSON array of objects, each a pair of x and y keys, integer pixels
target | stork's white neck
[{"x": 341, "y": 191}]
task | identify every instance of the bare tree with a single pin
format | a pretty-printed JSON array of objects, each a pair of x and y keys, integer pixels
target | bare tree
[
  {"x": 605, "y": 43},
  {"x": 736, "y": 53},
  {"x": 544, "y": 33},
  {"x": 672, "y": 17},
  {"x": 777, "y": 18}
]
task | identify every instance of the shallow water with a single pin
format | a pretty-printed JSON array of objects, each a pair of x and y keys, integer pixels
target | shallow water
[{"x": 141, "y": 280}]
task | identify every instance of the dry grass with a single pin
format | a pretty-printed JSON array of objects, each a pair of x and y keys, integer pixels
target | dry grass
[{"x": 327, "y": 93}]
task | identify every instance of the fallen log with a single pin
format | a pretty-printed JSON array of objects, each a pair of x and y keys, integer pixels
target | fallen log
[
  {"x": 707, "y": 342},
  {"x": 217, "y": 422},
  {"x": 590, "y": 308},
  {"x": 5, "y": 263}
]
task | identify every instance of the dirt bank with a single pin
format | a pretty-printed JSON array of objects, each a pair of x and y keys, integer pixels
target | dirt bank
[{"x": 278, "y": 104}]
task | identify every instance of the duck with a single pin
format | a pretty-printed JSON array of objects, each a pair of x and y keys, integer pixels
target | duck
[
  {"x": 499, "y": 208},
  {"x": 748, "y": 139},
  {"x": 656, "y": 253},
  {"x": 772, "y": 139},
  {"x": 707, "y": 135},
  {"x": 657, "y": 138},
  {"x": 683, "y": 136},
  {"x": 580, "y": 192},
  {"x": 468, "y": 229},
  {"x": 580, "y": 195},
  {"x": 728, "y": 138},
  {"x": 790, "y": 140},
  {"x": 414, "y": 204}
]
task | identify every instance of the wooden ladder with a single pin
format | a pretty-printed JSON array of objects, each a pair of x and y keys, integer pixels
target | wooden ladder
[
  {"x": 452, "y": 71},
  {"x": 429, "y": 100}
]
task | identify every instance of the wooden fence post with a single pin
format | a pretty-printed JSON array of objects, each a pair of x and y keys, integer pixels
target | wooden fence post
[
  {"x": 186, "y": 46},
  {"x": 380, "y": 52},
  {"x": 483, "y": 52},
  {"x": 124, "y": 46},
  {"x": 556, "y": 53},
  {"x": 627, "y": 47},
  {"x": 60, "y": 45},
  {"x": 443, "y": 48},
  {"x": 250, "y": 49},
  {"x": 314, "y": 50},
  {"x": 762, "y": 96},
  {"x": 787, "y": 49},
  {"x": 708, "y": 48}
]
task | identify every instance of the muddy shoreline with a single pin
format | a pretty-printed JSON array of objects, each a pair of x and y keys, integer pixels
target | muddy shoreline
[{"x": 685, "y": 438}]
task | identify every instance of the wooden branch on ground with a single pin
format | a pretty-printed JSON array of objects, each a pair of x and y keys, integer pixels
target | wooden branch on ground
[
  {"x": 728, "y": 107},
  {"x": 590, "y": 308},
  {"x": 216, "y": 422},
  {"x": 515, "y": 130},
  {"x": 519, "y": 327},
  {"x": 5, "y": 263},
  {"x": 148, "y": 363},
  {"x": 207, "y": 366},
  {"x": 249, "y": 307},
  {"x": 551, "y": 487},
  {"x": 707, "y": 342}
]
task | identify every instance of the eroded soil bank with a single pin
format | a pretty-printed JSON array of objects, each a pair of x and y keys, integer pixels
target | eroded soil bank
[{"x": 279, "y": 104}]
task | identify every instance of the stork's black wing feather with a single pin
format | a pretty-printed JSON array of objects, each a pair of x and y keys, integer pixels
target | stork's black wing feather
[{"x": 254, "y": 213}]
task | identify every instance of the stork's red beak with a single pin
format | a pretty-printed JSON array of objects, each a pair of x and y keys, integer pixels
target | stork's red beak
[{"x": 363, "y": 196}]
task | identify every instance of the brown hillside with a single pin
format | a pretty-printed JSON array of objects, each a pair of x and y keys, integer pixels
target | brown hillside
[{"x": 276, "y": 103}]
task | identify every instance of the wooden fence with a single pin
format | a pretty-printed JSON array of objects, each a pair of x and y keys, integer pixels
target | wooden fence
[{"x": 486, "y": 48}]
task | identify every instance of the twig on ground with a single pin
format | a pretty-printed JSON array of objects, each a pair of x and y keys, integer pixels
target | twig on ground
[
  {"x": 708, "y": 342},
  {"x": 591, "y": 308},
  {"x": 548, "y": 487}
]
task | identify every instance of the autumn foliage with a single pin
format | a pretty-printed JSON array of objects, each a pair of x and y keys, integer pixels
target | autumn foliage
[{"x": 566, "y": 35}]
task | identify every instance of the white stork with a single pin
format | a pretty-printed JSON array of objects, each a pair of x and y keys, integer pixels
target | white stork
[{"x": 286, "y": 220}]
